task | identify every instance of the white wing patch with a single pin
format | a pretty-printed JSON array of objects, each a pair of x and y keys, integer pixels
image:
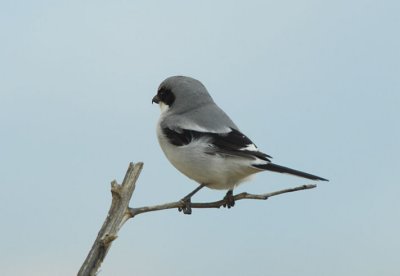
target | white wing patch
[
  {"x": 250, "y": 147},
  {"x": 195, "y": 127}
]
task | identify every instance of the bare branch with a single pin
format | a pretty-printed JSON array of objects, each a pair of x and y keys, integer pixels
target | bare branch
[
  {"x": 120, "y": 212},
  {"x": 117, "y": 216},
  {"x": 216, "y": 204}
]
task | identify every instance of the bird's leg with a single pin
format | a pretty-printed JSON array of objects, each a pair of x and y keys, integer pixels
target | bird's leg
[
  {"x": 187, "y": 209},
  {"x": 229, "y": 199}
]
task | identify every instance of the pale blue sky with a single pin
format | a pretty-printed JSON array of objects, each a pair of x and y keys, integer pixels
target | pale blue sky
[{"x": 315, "y": 84}]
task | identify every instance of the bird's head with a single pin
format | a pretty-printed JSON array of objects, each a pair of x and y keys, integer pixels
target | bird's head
[{"x": 180, "y": 93}]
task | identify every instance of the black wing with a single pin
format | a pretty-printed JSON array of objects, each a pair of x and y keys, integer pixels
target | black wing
[{"x": 233, "y": 143}]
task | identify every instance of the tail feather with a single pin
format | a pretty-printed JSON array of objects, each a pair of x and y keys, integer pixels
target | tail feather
[{"x": 281, "y": 169}]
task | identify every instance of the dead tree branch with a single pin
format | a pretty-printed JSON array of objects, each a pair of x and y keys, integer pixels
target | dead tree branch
[
  {"x": 216, "y": 204},
  {"x": 120, "y": 212},
  {"x": 117, "y": 216}
]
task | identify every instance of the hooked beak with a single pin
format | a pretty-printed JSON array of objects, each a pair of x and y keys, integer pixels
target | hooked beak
[{"x": 155, "y": 99}]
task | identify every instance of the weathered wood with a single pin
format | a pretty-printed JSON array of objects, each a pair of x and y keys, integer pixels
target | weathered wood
[
  {"x": 216, "y": 204},
  {"x": 117, "y": 216},
  {"x": 120, "y": 212}
]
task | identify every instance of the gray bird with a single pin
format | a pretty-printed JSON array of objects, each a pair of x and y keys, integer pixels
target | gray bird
[{"x": 204, "y": 144}]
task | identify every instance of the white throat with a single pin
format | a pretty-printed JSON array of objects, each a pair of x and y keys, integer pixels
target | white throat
[{"x": 163, "y": 107}]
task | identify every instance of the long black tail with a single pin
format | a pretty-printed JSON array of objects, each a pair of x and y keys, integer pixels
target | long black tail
[{"x": 281, "y": 169}]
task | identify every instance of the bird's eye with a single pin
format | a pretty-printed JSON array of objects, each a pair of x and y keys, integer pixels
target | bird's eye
[{"x": 166, "y": 96}]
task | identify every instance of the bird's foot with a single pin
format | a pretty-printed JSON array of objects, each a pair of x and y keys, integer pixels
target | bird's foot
[
  {"x": 186, "y": 201},
  {"x": 186, "y": 208},
  {"x": 229, "y": 199}
]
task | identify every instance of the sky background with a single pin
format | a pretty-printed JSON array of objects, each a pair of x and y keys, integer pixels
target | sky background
[{"x": 315, "y": 84}]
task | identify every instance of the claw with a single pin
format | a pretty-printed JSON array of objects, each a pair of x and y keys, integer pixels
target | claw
[
  {"x": 186, "y": 209},
  {"x": 229, "y": 199},
  {"x": 187, "y": 204}
]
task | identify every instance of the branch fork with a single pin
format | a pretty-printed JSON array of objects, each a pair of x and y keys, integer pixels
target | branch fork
[{"x": 120, "y": 212}]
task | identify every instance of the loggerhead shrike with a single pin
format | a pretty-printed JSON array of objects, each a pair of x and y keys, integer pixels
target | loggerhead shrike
[{"x": 203, "y": 143}]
